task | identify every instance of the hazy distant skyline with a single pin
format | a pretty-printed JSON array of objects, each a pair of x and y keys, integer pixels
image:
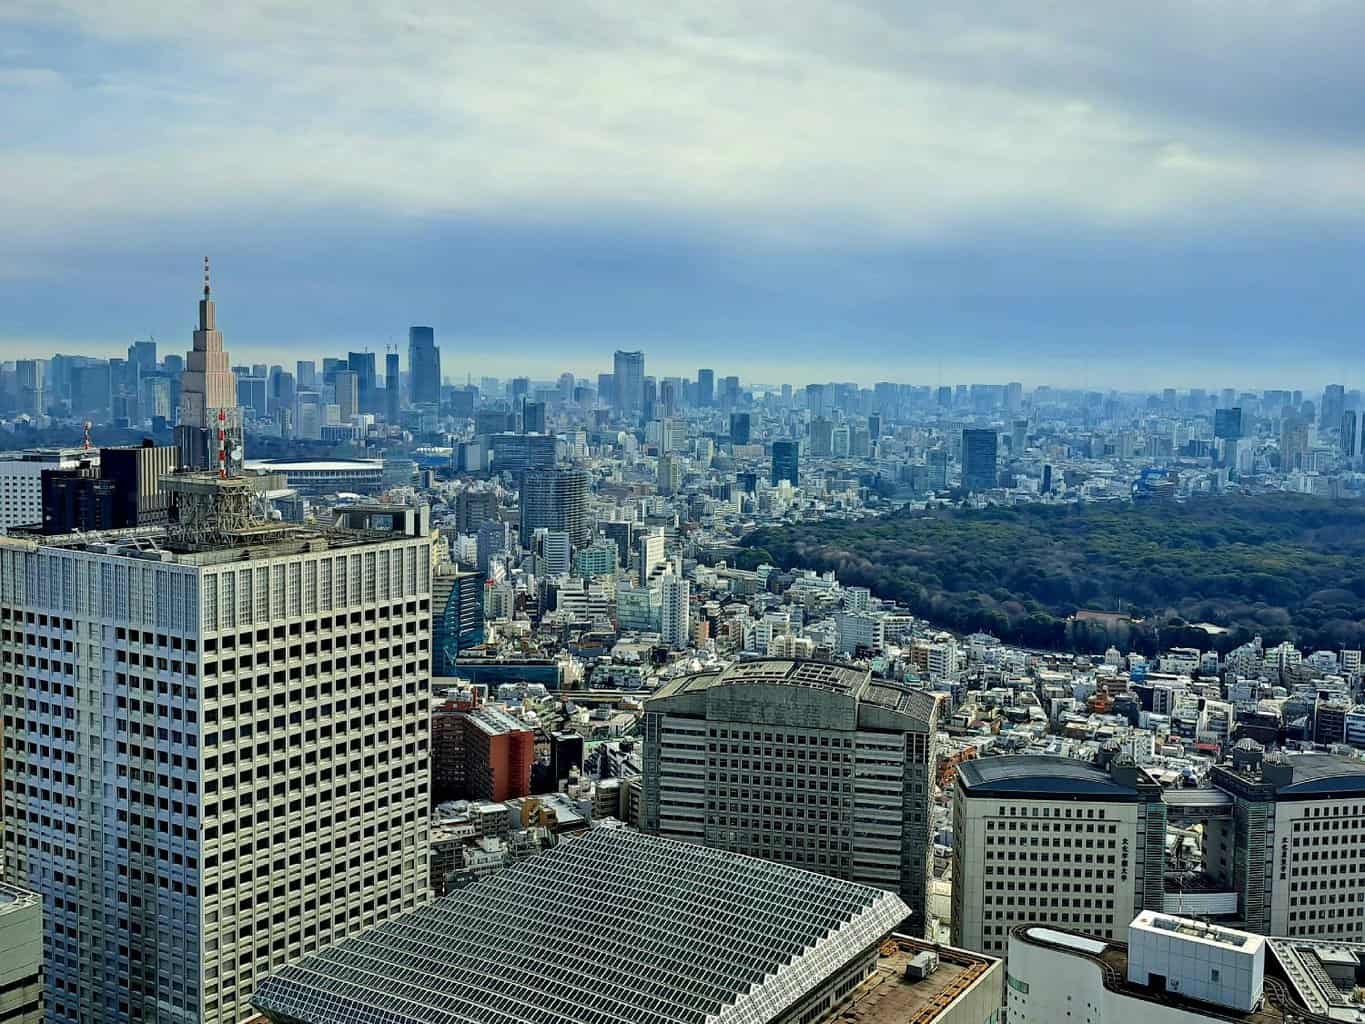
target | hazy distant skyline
[{"x": 1163, "y": 195}]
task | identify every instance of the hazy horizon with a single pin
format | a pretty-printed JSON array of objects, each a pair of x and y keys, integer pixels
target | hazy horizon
[{"x": 872, "y": 191}]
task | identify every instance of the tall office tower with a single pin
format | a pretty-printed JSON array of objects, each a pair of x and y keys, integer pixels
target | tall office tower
[
  {"x": 729, "y": 393},
  {"x": 815, "y": 400},
  {"x": 424, "y": 367},
  {"x": 1293, "y": 443},
  {"x": 739, "y": 428},
  {"x": 706, "y": 388},
  {"x": 786, "y": 462},
  {"x": 456, "y": 616},
  {"x": 1018, "y": 438},
  {"x": 235, "y": 733},
  {"x": 675, "y": 612},
  {"x": 621, "y": 532},
  {"x": 649, "y": 406},
  {"x": 566, "y": 387},
  {"x": 1014, "y": 397},
  {"x": 1333, "y": 405},
  {"x": 306, "y": 375},
  {"x": 606, "y": 390},
  {"x": 533, "y": 417},
  {"x": 840, "y": 777},
  {"x": 944, "y": 397},
  {"x": 1057, "y": 841},
  {"x": 1292, "y": 848},
  {"x": 28, "y": 380},
  {"x": 1227, "y": 423},
  {"x": 874, "y": 427},
  {"x": 628, "y": 383},
  {"x": 650, "y": 565},
  {"x": 821, "y": 437},
  {"x": 669, "y": 474},
  {"x": 556, "y": 499},
  {"x": 142, "y": 356},
  {"x": 554, "y": 554},
  {"x": 1348, "y": 433},
  {"x": 979, "y": 459},
  {"x": 668, "y": 396},
  {"x": 393, "y": 388},
  {"x": 347, "y": 385},
  {"x": 937, "y": 462},
  {"x": 362, "y": 365},
  {"x": 208, "y": 395}
]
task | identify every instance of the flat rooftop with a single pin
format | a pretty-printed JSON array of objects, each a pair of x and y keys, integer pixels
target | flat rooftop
[
  {"x": 1278, "y": 1006},
  {"x": 888, "y": 997},
  {"x": 1024, "y": 775}
]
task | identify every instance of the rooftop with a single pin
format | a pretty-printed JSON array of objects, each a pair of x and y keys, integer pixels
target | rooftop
[
  {"x": 1279, "y": 1006},
  {"x": 1025, "y": 774},
  {"x": 1321, "y": 974},
  {"x": 13, "y": 899},
  {"x": 889, "y": 997},
  {"x": 679, "y": 934}
]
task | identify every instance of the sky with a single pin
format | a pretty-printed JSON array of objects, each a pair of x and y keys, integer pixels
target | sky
[{"x": 1114, "y": 194}]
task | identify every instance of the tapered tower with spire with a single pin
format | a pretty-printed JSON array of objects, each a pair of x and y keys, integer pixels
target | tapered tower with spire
[{"x": 208, "y": 395}]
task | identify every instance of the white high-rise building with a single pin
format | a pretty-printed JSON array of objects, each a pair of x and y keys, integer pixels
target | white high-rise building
[
  {"x": 21, "y": 481},
  {"x": 675, "y": 613},
  {"x": 650, "y": 547},
  {"x": 216, "y": 753}
]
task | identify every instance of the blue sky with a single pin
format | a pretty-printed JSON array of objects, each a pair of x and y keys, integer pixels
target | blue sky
[{"x": 1106, "y": 193}]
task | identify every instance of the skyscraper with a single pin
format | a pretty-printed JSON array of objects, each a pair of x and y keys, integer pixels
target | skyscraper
[
  {"x": 393, "y": 388},
  {"x": 801, "y": 726},
  {"x": 362, "y": 365},
  {"x": 739, "y": 428},
  {"x": 1348, "y": 433},
  {"x": 555, "y": 499},
  {"x": 628, "y": 383},
  {"x": 208, "y": 395},
  {"x": 424, "y": 366},
  {"x": 786, "y": 462},
  {"x": 706, "y": 388},
  {"x": 347, "y": 385},
  {"x": 194, "y": 833},
  {"x": 1333, "y": 405},
  {"x": 979, "y": 459}
]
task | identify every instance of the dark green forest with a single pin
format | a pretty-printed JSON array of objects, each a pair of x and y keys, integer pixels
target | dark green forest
[{"x": 1282, "y": 566}]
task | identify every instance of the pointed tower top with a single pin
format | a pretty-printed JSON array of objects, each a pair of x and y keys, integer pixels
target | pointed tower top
[{"x": 206, "y": 277}]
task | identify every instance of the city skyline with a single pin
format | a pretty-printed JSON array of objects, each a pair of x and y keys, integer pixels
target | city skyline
[{"x": 1115, "y": 200}]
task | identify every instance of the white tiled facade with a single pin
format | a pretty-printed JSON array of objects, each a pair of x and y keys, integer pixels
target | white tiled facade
[
  {"x": 212, "y": 764},
  {"x": 21, "y": 483}
]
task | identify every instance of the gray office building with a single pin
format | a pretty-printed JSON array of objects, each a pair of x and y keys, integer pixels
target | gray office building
[
  {"x": 556, "y": 499},
  {"x": 628, "y": 383},
  {"x": 812, "y": 764},
  {"x": 979, "y": 455},
  {"x": 424, "y": 366}
]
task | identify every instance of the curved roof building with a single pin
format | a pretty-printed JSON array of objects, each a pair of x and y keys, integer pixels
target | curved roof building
[{"x": 808, "y": 763}]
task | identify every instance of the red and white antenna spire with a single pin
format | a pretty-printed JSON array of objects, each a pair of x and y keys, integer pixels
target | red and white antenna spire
[
  {"x": 222, "y": 437},
  {"x": 85, "y": 442}
]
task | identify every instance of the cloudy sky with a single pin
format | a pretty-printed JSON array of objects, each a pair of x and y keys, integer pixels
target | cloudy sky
[{"x": 1082, "y": 191}]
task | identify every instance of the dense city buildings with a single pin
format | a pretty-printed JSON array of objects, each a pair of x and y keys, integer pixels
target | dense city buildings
[{"x": 816, "y": 765}]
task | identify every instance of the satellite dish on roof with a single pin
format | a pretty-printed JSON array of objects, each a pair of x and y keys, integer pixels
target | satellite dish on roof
[{"x": 236, "y": 454}]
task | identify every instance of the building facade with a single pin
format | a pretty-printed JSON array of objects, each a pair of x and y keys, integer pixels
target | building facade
[
  {"x": 811, "y": 764},
  {"x": 173, "y": 706},
  {"x": 1055, "y": 841}
]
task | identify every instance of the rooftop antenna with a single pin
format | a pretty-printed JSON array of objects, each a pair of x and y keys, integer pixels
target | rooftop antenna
[
  {"x": 206, "y": 277},
  {"x": 222, "y": 430},
  {"x": 85, "y": 441}
]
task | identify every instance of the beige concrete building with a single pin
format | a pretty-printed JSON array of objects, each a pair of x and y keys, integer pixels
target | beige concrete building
[
  {"x": 216, "y": 752},
  {"x": 1051, "y": 840}
]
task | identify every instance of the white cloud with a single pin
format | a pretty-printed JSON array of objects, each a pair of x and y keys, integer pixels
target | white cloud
[{"x": 792, "y": 117}]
